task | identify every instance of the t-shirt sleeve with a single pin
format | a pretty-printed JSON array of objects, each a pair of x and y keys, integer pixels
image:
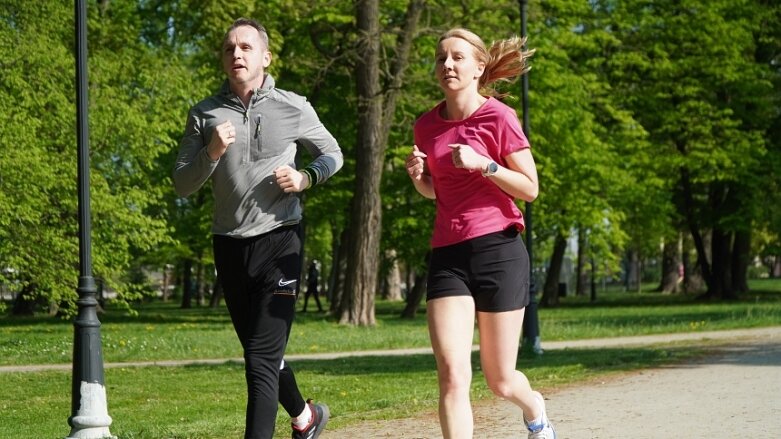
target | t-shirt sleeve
[{"x": 512, "y": 138}]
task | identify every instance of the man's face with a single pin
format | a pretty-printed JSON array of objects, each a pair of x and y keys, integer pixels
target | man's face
[{"x": 245, "y": 57}]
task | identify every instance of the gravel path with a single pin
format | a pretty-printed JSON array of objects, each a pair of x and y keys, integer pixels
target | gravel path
[{"x": 735, "y": 392}]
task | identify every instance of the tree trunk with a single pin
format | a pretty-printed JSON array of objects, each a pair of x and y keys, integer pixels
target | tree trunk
[
  {"x": 187, "y": 284},
  {"x": 594, "y": 279},
  {"x": 217, "y": 294},
  {"x": 694, "y": 229},
  {"x": 166, "y": 281},
  {"x": 415, "y": 296},
  {"x": 670, "y": 264},
  {"x": 550, "y": 292},
  {"x": 640, "y": 273},
  {"x": 580, "y": 275},
  {"x": 338, "y": 270},
  {"x": 375, "y": 114},
  {"x": 393, "y": 278},
  {"x": 721, "y": 285},
  {"x": 199, "y": 283},
  {"x": 741, "y": 247},
  {"x": 632, "y": 270},
  {"x": 366, "y": 214},
  {"x": 692, "y": 276},
  {"x": 775, "y": 267}
]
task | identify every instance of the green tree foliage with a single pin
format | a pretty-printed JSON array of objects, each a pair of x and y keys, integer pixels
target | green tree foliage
[
  {"x": 130, "y": 87},
  {"x": 766, "y": 239},
  {"x": 579, "y": 134},
  {"x": 688, "y": 72},
  {"x": 648, "y": 119}
]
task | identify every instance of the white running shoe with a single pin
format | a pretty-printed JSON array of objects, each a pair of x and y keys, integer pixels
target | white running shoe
[{"x": 543, "y": 429}]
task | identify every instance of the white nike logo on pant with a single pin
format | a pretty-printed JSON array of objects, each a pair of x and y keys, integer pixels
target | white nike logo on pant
[{"x": 284, "y": 283}]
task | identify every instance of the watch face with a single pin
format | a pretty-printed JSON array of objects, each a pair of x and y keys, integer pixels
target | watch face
[{"x": 490, "y": 169}]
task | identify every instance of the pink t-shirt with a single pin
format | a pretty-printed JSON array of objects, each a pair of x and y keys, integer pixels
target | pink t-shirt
[{"x": 468, "y": 204}]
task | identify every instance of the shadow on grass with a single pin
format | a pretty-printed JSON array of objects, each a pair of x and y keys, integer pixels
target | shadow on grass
[
  {"x": 155, "y": 313},
  {"x": 171, "y": 314},
  {"x": 767, "y": 353},
  {"x": 158, "y": 312},
  {"x": 671, "y": 318},
  {"x": 656, "y": 299},
  {"x": 593, "y": 360}
]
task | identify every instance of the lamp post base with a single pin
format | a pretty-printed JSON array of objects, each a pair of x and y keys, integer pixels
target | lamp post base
[{"x": 91, "y": 420}]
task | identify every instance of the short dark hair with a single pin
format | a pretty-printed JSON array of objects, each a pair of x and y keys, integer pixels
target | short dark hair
[{"x": 251, "y": 23}]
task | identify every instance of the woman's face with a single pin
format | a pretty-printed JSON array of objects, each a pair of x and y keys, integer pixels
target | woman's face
[{"x": 457, "y": 68}]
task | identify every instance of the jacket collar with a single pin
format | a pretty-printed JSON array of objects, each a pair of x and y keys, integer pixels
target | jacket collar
[{"x": 268, "y": 84}]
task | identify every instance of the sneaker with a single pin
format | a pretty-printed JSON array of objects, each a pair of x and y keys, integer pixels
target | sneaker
[
  {"x": 543, "y": 429},
  {"x": 316, "y": 426}
]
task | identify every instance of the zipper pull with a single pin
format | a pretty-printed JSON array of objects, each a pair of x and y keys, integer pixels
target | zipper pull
[{"x": 257, "y": 126}]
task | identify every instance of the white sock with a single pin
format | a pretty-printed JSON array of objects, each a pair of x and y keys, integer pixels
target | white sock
[
  {"x": 535, "y": 422},
  {"x": 302, "y": 421}
]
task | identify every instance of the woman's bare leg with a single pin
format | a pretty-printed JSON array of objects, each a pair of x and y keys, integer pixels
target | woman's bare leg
[
  {"x": 499, "y": 338},
  {"x": 451, "y": 328}
]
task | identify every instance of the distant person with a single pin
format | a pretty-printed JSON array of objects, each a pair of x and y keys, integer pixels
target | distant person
[
  {"x": 472, "y": 157},
  {"x": 681, "y": 273},
  {"x": 245, "y": 138},
  {"x": 311, "y": 287}
]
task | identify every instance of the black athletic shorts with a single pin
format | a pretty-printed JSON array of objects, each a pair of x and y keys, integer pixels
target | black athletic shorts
[{"x": 493, "y": 269}]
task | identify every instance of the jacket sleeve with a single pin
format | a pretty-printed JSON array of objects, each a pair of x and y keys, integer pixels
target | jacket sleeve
[
  {"x": 320, "y": 143},
  {"x": 193, "y": 166}
]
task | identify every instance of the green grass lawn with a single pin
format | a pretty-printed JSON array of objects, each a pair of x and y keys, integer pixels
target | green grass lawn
[
  {"x": 165, "y": 332},
  {"x": 208, "y": 401},
  {"x": 626, "y": 314}
]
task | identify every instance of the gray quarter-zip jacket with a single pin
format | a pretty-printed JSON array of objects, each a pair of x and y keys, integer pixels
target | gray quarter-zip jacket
[{"x": 247, "y": 199}]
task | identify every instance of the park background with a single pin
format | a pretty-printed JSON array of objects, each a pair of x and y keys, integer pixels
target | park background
[{"x": 655, "y": 127}]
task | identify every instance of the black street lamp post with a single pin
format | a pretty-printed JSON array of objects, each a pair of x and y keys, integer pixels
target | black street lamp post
[
  {"x": 89, "y": 412},
  {"x": 531, "y": 325}
]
